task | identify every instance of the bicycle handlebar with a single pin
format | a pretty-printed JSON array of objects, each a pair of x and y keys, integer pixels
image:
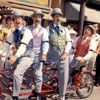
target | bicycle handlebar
[
  {"x": 50, "y": 63},
  {"x": 7, "y": 58}
]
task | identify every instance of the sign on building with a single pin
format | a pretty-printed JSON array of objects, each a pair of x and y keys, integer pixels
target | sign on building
[{"x": 42, "y": 3}]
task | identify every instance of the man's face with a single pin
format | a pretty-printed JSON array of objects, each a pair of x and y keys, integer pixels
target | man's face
[
  {"x": 4, "y": 21},
  {"x": 69, "y": 27},
  {"x": 37, "y": 19},
  {"x": 18, "y": 21},
  {"x": 95, "y": 27},
  {"x": 57, "y": 18},
  {"x": 72, "y": 36},
  {"x": 10, "y": 22},
  {"x": 87, "y": 32}
]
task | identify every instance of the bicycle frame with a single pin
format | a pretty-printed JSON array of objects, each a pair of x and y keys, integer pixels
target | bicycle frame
[
  {"x": 48, "y": 87},
  {"x": 78, "y": 77},
  {"x": 45, "y": 89}
]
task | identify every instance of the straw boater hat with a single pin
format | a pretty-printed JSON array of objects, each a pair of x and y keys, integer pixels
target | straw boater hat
[
  {"x": 37, "y": 12},
  {"x": 56, "y": 11},
  {"x": 91, "y": 27},
  {"x": 73, "y": 32}
]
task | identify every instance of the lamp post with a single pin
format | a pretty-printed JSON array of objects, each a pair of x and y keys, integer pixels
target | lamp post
[{"x": 81, "y": 16}]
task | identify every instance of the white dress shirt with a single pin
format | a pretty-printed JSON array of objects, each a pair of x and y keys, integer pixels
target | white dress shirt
[
  {"x": 68, "y": 38},
  {"x": 5, "y": 48},
  {"x": 96, "y": 37},
  {"x": 45, "y": 40},
  {"x": 27, "y": 36}
]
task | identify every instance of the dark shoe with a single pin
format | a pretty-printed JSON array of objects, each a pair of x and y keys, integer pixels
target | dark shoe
[
  {"x": 97, "y": 85},
  {"x": 35, "y": 94},
  {"x": 15, "y": 98},
  {"x": 75, "y": 72},
  {"x": 38, "y": 97}
]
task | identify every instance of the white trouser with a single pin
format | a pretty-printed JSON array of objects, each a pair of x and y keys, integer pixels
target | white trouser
[
  {"x": 23, "y": 64},
  {"x": 92, "y": 61},
  {"x": 63, "y": 71},
  {"x": 75, "y": 64},
  {"x": 2, "y": 62}
]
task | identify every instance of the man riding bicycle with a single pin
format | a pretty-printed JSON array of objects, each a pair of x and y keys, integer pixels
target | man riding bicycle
[
  {"x": 84, "y": 47},
  {"x": 32, "y": 45}
]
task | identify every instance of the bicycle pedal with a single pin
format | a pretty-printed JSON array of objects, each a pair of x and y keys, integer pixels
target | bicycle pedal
[
  {"x": 72, "y": 95},
  {"x": 67, "y": 94},
  {"x": 71, "y": 87},
  {"x": 31, "y": 97},
  {"x": 11, "y": 89},
  {"x": 55, "y": 97},
  {"x": 24, "y": 87}
]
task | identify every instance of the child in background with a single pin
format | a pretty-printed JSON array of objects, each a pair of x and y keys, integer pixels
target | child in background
[{"x": 73, "y": 35}]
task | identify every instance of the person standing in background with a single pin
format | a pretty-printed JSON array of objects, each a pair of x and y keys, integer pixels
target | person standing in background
[
  {"x": 32, "y": 46},
  {"x": 73, "y": 34},
  {"x": 96, "y": 37},
  {"x": 5, "y": 49},
  {"x": 3, "y": 21},
  {"x": 84, "y": 48},
  {"x": 97, "y": 76}
]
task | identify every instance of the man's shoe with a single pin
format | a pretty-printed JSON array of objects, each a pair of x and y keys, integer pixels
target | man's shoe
[
  {"x": 14, "y": 98},
  {"x": 35, "y": 94},
  {"x": 74, "y": 73},
  {"x": 38, "y": 96},
  {"x": 97, "y": 85}
]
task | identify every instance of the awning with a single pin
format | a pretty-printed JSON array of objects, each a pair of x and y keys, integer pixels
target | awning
[
  {"x": 5, "y": 7},
  {"x": 4, "y": 3},
  {"x": 73, "y": 9},
  {"x": 24, "y": 12},
  {"x": 49, "y": 17},
  {"x": 5, "y": 12}
]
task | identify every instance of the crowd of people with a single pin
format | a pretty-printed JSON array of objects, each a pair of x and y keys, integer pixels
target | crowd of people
[{"x": 25, "y": 46}]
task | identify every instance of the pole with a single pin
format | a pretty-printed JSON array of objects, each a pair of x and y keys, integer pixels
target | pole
[{"x": 81, "y": 16}]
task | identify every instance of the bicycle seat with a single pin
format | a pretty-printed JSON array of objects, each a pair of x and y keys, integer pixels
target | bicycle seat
[
  {"x": 82, "y": 67},
  {"x": 47, "y": 63}
]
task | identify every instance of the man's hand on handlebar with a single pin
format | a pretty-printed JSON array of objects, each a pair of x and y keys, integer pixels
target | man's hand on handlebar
[
  {"x": 43, "y": 57},
  {"x": 82, "y": 61},
  {"x": 64, "y": 55},
  {"x": 12, "y": 60}
]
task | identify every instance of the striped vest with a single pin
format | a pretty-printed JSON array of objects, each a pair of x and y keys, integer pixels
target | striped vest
[
  {"x": 37, "y": 37},
  {"x": 57, "y": 42},
  {"x": 82, "y": 49}
]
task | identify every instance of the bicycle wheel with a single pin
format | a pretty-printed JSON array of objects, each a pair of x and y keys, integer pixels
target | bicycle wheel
[{"x": 85, "y": 85}]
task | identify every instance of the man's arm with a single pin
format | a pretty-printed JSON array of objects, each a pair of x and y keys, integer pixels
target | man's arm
[
  {"x": 92, "y": 49},
  {"x": 68, "y": 45},
  {"x": 68, "y": 41},
  {"x": 24, "y": 42},
  {"x": 22, "y": 48},
  {"x": 45, "y": 44}
]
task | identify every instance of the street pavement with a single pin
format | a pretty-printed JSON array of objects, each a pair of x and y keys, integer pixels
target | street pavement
[{"x": 94, "y": 96}]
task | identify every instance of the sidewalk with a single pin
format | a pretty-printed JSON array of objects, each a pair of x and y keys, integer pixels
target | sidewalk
[{"x": 94, "y": 96}]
